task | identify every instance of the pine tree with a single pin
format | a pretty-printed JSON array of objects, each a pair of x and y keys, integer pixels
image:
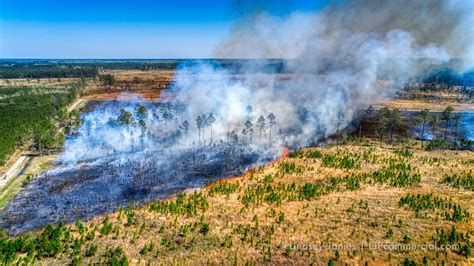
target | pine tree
[
  {"x": 382, "y": 122},
  {"x": 199, "y": 126},
  {"x": 244, "y": 133},
  {"x": 395, "y": 122},
  {"x": 458, "y": 121},
  {"x": 425, "y": 118},
  {"x": 185, "y": 127},
  {"x": 447, "y": 114},
  {"x": 434, "y": 123},
  {"x": 125, "y": 118},
  {"x": 368, "y": 112},
  {"x": 261, "y": 126},
  {"x": 249, "y": 112},
  {"x": 271, "y": 122},
  {"x": 142, "y": 133},
  {"x": 167, "y": 113},
  {"x": 249, "y": 129},
  {"x": 141, "y": 112},
  {"x": 210, "y": 120}
]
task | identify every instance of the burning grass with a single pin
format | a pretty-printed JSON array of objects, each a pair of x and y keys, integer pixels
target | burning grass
[{"x": 271, "y": 213}]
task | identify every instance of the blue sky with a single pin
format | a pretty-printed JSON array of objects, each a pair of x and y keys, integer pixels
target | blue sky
[{"x": 124, "y": 28}]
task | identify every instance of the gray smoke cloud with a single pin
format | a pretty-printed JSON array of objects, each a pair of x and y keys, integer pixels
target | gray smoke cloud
[
  {"x": 337, "y": 58},
  {"x": 341, "y": 58},
  {"x": 446, "y": 24}
]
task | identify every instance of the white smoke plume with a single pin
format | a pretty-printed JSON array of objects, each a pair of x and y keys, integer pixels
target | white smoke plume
[{"x": 338, "y": 59}]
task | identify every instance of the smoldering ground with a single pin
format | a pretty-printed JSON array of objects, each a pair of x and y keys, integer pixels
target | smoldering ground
[
  {"x": 340, "y": 58},
  {"x": 116, "y": 160}
]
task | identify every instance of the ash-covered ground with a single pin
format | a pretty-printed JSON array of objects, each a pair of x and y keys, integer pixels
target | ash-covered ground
[
  {"x": 131, "y": 153},
  {"x": 102, "y": 186}
]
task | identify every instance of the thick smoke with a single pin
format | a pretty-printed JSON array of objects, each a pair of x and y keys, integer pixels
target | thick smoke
[
  {"x": 102, "y": 135},
  {"x": 329, "y": 33},
  {"x": 337, "y": 60},
  {"x": 341, "y": 58}
]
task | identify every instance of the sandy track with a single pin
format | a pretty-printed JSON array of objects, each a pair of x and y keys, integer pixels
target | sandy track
[
  {"x": 75, "y": 105},
  {"x": 14, "y": 169}
]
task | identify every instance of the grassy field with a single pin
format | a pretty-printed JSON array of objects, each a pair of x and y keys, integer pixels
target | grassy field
[
  {"x": 356, "y": 203},
  {"x": 130, "y": 83}
]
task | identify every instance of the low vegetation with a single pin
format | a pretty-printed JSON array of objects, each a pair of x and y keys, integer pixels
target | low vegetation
[
  {"x": 443, "y": 207},
  {"x": 463, "y": 180},
  {"x": 326, "y": 197}
]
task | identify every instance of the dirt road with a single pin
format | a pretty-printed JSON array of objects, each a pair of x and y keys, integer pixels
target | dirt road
[
  {"x": 14, "y": 169},
  {"x": 75, "y": 105},
  {"x": 20, "y": 160}
]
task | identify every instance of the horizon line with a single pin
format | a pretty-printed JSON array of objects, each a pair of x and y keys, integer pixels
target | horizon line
[{"x": 205, "y": 58}]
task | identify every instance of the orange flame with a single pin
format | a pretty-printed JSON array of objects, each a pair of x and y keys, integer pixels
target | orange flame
[{"x": 252, "y": 171}]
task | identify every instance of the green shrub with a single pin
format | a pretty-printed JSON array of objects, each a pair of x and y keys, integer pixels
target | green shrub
[
  {"x": 91, "y": 250},
  {"x": 106, "y": 226},
  {"x": 426, "y": 202},
  {"x": 404, "y": 153},
  {"x": 189, "y": 205},
  {"x": 438, "y": 145},
  {"x": 464, "y": 180}
]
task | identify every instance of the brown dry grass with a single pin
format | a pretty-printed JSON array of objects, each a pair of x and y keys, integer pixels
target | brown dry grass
[
  {"x": 148, "y": 86},
  {"x": 324, "y": 219},
  {"x": 434, "y": 100},
  {"x": 152, "y": 82},
  {"x": 403, "y": 104}
]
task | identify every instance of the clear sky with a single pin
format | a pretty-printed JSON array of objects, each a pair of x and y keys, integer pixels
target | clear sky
[{"x": 123, "y": 28}]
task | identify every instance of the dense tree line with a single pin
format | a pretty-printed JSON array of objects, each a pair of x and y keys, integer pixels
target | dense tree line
[
  {"x": 443, "y": 75},
  {"x": 33, "y": 114},
  {"x": 47, "y": 72},
  {"x": 89, "y": 64}
]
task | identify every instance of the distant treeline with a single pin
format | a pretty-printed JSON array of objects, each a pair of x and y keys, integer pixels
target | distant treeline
[
  {"x": 12, "y": 72},
  {"x": 89, "y": 68}
]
